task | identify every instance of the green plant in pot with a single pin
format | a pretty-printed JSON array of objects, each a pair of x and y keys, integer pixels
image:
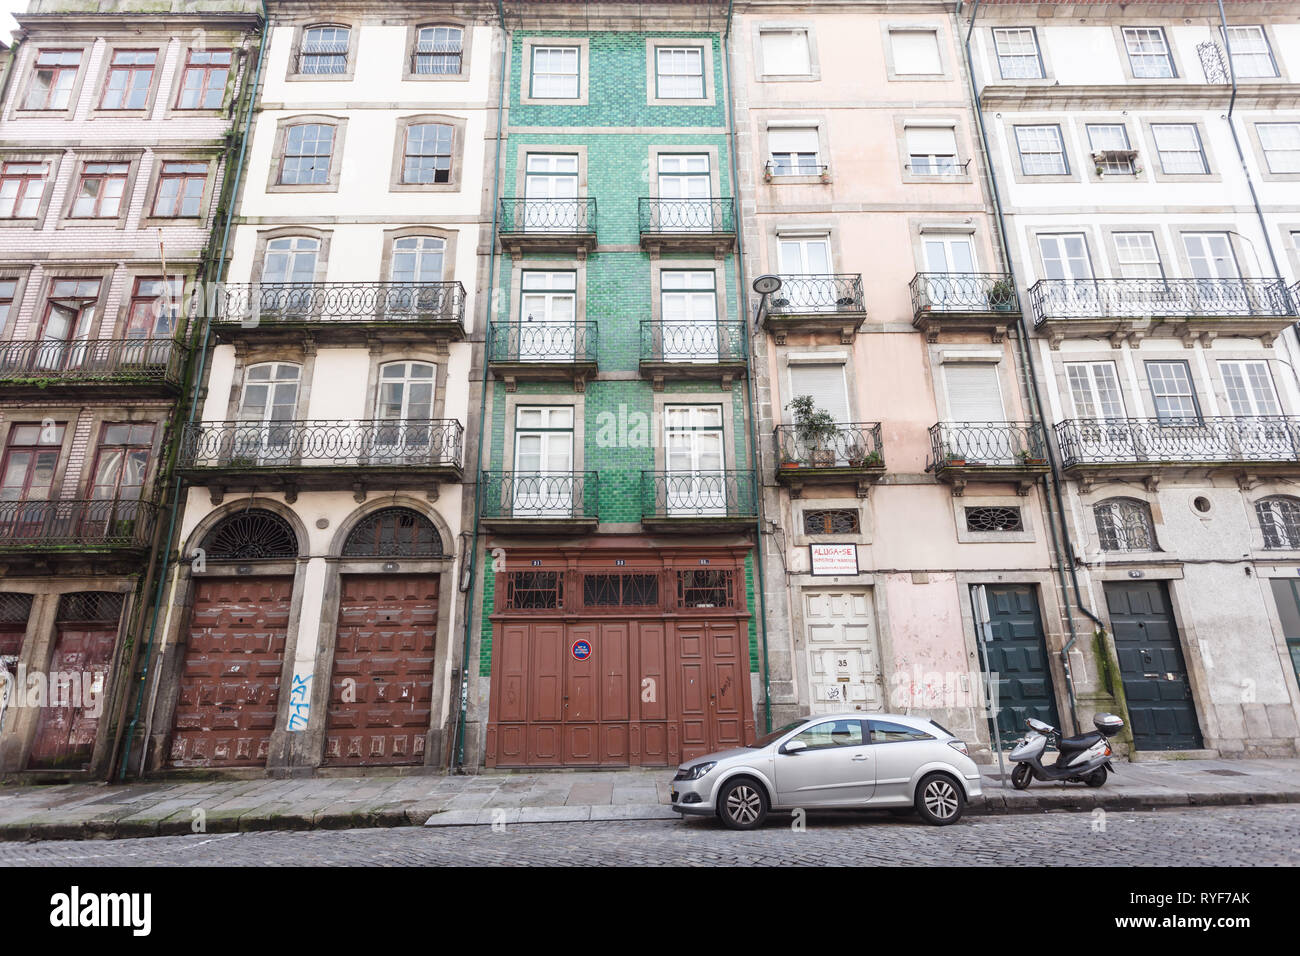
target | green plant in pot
[
  {"x": 816, "y": 430},
  {"x": 1002, "y": 296}
]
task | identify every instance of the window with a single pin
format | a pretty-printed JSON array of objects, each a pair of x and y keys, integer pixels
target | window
[
  {"x": 307, "y": 152},
  {"x": 555, "y": 73},
  {"x": 1279, "y": 519},
  {"x": 949, "y": 255},
  {"x": 551, "y": 192},
  {"x": 418, "y": 259},
  {"x": 324, "y": 50},
  {"x": 55, "y": 73},
  {"x": 1148, "y": 53},
  {"x": 270, "y": 395},
  {"x": 679, "y": 73},
  {"x": 785, "y": 52},
  {"x": 794, "y": 152},
  {"x": 543, "y": 478},
  {"x": 1137, "y": 255},
  {"x": 154, "y": 309},
  {"x": 1211, "y": 256},
  {"x": 831, "y": 521},
  {"x": 290, "y": 260},
  {"x": 1042, "y": 151},
  {"x": 99, "y": 194},
  {"x": 203, "y": 85},
  {"x": 394, "y": 532},
  {"x": 27, "y": 472},
  {"x": 700, "y": 588},
  {"x": 827, "y": 387},
  {"x": 994, "y": 519},
  {"x": 1281, "y": 145},
  {"x": 932, "y": 150},
  {"x": 427, "y": 158},
  {"x": 1110, "y": 149},
  {"x": 1094, "y": 386},
  {"x": 916, "y": 52},
  {"x": 8, "y": 291},
  {"x": 548, "y": 316},
  {"x": 1179, "y": 146},
  {"x": 22, "y": 185},
  {"x": 1018, "y": 56},
  {"x": 129, "y": 77},
  {"x": 1172, "y": 392},
  {"x": 180, "y": 190},
  {"x": 803, "y": 256},
  {"x": 831, "y": 733},
  {"x": 405, "y": 392},
  {"x": 887, "y": 732},
  {"x": 70, "y": 310},
  {"x": 1124, "y": 524},
  {"x": 438, "y": 51},
  {"x": 1249, "y": 388},
  {"x": 1252, "y": 57},
  {"x": 534, "y": 590},
  {"x": 121, "y": 462},
  {"x": 620, "y": 590},
  {"x": 688, "y": 304},
  {"x": 1065, "y": 256}
]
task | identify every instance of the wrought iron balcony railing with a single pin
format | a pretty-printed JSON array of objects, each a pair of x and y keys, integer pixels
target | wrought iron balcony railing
[
  {"x": 1179, "y": 298},
  {"x": 555, "y": 343},
  {"x": 563, "y": 496},
  {"x": 716, "y": 215},
  {"x": 851, "y": 445},
  {"x": 93, "y": 361},
  {"x": 711, "y": 344},
  {"x": 289, "y": 303},
  {"x": 542, "y": 216},
  {"x": 963, "y": 292},
  {"x": 1102, "y": 441},
  {"x": 813, "y": 294},
  {"x": 76, "y": 525},
  {"x": 1002, "y": 444},
  {"x": 698, "y": 494},
  {"x": 405, "y": 443}
]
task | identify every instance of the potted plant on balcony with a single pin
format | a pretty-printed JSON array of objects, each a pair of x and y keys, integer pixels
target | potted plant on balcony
[
  {"x": 1002, "y": 296},
  {"x": 816, "y": 430},
  {"x": 1028, "y": 459}
]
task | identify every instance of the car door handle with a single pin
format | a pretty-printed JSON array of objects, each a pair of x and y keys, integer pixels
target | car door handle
[{"x": 859, "y": 756}]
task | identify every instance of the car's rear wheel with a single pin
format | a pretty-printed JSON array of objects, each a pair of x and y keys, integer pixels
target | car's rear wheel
[
  {"x": 939, "y": 799},
  {"x": 742, "y": 804}
]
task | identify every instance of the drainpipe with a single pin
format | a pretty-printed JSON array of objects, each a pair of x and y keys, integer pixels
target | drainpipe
[
  {"x": 1052, "y": 481},
  {"x": 194, "y": 399},
  {"x": 472, "y": 550},
  {"x": 743, "y": 293}
]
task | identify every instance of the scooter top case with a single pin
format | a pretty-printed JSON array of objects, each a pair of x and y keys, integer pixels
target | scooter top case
[{"x": 1108, "y": 724}]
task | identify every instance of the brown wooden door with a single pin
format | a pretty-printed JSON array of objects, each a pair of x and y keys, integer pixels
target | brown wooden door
[
  {"x": 382, "y": 686},
  {"x": 231, "y": 680},
  {"x": 77, "y": 684},
  {"x": 728, "y": 681}
]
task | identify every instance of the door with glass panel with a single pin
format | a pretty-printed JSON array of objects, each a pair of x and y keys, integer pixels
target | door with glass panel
[
  {"x": 418, "y": 263},
  {"x": 67, "y": 324},
  {"x": 548, "y": 330},
  {"x": 27, "y": 475},
  {"x": 685, "y": 190},
  {"x": 1183, "y": 434},
  {"x": 1219, "y": 289},
  {"x": 696, "y": 483},
  {"x": 1072, "y": 291},
  {"x": 117, "y": 479},
  {"x": 1258, "y": 430},
  {"x": 543, "y": 475},
  {"x": 690, "y": 317},
  {"x": 267, "y": 408},
  {"x": 551, "y": 194},
  {"x": 950, "y": 260},
  {"x": 288, "y": 274},
  {"x": 806, "y": 270},
  {"x": 404, "y": 408},
  {"x": 1103, "y": 430}
]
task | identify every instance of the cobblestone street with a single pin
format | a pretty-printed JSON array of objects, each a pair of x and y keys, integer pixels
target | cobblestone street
[{"x": 1222, "y": 836}]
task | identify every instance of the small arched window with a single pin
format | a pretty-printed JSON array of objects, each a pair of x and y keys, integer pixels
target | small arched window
[
  {"x": 1124, "y": 524},
  {"x": 255, "y": 534},
  {"x": 394, "y": 532},
  {"x": 1279, "y": 519},
  {"x": 324, "y": 50},
  {"x": 438, "y": 51}
]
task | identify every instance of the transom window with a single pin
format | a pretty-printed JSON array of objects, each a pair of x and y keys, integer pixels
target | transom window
[
  {"x": 555, "y": 73},
  {"x": 1018, "y": 57},
  {"x": 438, "y": 51},
  {"x": 428, "y": 153},
  {"x": 1252, "y": 57},
  {"x": 620, "y": 590},
  {"x": 52, "y": 80},
  {"x": 394, "y": 532},
  {"x": 1281, "y": 145},
  {"x": 99, "y": 194},
  {"x": 180, "y": 189},
  {"x": 1110, "y": 148},
  {"x": 831, "y": 521},
  {"x": 1124, "y": 524},
  {"x": 21, "y": 187},
  {"x": 1148, "y": 53},
  {"x": 1042, "y": 151},
  {"x": 250, "y": 535},
  {"x": 324, "y": 50},
  {"x": 1279, "y": 519},
  {"x": 703, "y": 588},
  {"x": 534, "y": 590},
  {"x": 679, "y": 73},
  {"x": 129, "y": 79},
  {"x": 307, "y": 151},
  {"x": 203, "y": 86},
  {"x": 1179, "y": 146}
]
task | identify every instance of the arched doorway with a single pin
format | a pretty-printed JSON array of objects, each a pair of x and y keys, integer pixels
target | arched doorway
[{"x": 230, "y": 684}]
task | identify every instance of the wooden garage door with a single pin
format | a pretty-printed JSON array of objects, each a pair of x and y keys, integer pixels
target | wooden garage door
[
  {"x": 382, "y": 686},
  {"x": 66, "y": 729},
  {"x": 231, "y": 680}
]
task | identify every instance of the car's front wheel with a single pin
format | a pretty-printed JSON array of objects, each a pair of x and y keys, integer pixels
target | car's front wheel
[
  {"x": 742, "y": 804},
  {"x": 939, "y": 800}
]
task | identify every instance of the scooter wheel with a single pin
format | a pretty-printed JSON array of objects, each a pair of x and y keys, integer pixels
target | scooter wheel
[
  {"x": 1021, "y": 776},
  {"x": 1096, "y": 778}
]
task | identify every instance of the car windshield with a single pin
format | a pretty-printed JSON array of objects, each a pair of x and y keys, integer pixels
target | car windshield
[{"x": 779, "y": 732}]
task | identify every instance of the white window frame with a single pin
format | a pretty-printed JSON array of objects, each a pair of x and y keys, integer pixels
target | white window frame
[
  {"x": 1134, "y": 39},
  {"x": 1006, "y": 58},
  {"x": 1060, "y": 151}
]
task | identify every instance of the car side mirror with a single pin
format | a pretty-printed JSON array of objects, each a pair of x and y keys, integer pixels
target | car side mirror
[{"x": 793, "y": 746}]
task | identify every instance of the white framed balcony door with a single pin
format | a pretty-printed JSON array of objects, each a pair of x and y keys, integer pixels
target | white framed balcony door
[
  {"x": 685, "y": 191},
  {"x": 551, "y": 193},
  {"x": 690, "y": 317},
  {"x": 548, "y": 321},
  {"x": 1104, "y": 431},
  {"x": 805, "y": 261},
  {"x": 1066, "y": 262},
  {"x": 266, "y": 412},
  {"x": 543, "y": 472},
  {"x": 1214, "y": 264},
  {"x": 1259, "y": 430},
  {"x": 406, "y": 400},
  {"x": 696, "y": 483}
]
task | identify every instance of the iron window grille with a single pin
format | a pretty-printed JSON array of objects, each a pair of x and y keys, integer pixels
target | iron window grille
[
  {"x": 1279, "y": 519},
  {"x": 251, "y": 535},
  {"x": 534, "y": 590},
  {"x": 439, "y": 51},
  {"x": 324, "y": 51},
  {"x": 831, "y": 521},
  {"x": 15, "y": 608},
  {"x": 620, "y": 590},
  {"x": 705, "y": 588},
  {"x": 1124, "y": 524},
  {"x": 98, "y": 607},
  {"x": 993, "y": 519},
  {"x": 394, "y": 533}
]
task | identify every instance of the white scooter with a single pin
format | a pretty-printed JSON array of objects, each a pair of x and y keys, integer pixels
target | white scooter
[{"x": 1082, "y": 759}]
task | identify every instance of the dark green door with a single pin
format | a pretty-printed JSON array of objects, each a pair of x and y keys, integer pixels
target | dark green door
[
  {"x": 1286, "y": 592},
  {"x": 1151, "y": 667},
  {"x": 1017, "y": 654}
]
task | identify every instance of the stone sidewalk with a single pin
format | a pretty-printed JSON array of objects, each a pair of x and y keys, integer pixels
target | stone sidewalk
[{"x": 80, "y": 811}]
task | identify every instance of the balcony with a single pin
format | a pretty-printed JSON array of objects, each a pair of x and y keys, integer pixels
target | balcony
[
  {"x": 680, "y": 351},
  {"x": 1142, "y": 449},
  {"x": 687, "y": 225},
  {"x": 340, "y": 313},
  {"x": 816, "y": 303},
  {"x": 698, "y": 501},
  {"x": 76, "y": 528},
  {"x": 1189, "y": 309},
  {"x": 515, "y": 502},
  {"x": 984, "y": 302},
  {"x": 542, "y": 352},
  {"x": 988, "y": 452},
  {"x": 853, "y": 454},
  {"x": 91, "y": 367},
  {"x": 290, "y": 456},
  {"x": 565, "y": 226}
]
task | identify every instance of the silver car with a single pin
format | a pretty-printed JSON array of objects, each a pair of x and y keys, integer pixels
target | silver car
[{"x": 833, "y": 761}]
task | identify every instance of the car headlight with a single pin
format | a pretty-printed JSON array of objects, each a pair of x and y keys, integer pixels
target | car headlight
[{"x": 700, "y": 769}]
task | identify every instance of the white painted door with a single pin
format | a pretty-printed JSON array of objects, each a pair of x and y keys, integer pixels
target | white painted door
[{"x": 843, "y": 661}]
